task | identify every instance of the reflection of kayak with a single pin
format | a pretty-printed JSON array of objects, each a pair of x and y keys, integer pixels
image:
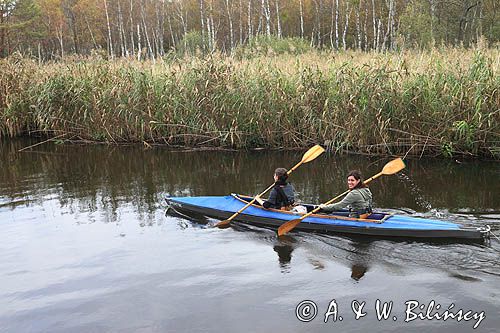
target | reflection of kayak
[{"x": 377, "y": 224}]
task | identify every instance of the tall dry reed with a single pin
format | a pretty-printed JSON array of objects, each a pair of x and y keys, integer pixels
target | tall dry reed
[{"x": 440, "y": 102}]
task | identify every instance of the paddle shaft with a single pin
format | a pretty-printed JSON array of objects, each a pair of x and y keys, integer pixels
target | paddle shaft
[{"x": 261, "y": 194}]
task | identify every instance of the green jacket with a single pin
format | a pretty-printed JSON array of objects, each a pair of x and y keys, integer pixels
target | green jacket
[{"x": 358, "y": 200}]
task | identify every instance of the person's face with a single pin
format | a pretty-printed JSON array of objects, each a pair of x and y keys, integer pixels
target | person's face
[
  {"x": 352, "y": 182},
  {"x": 275, "y": 177}
]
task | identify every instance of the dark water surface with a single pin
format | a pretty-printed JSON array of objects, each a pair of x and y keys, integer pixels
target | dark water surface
[{"x": 86, "y": 245}]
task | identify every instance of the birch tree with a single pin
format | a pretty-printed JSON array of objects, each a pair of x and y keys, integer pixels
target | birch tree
[
  {"x": 346, "y": 25},
  {"x": 110, "y": 41},
  {"x": 278, "y": 18},
  {"x": 301, "y": 6},
  {"x": 230, "y": 18}
]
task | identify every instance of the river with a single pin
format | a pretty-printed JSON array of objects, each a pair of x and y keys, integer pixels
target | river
[{"x": 86, "y": 245}]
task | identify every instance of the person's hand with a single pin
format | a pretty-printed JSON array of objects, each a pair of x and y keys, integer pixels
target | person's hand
[{"x": 259, "y": 200}]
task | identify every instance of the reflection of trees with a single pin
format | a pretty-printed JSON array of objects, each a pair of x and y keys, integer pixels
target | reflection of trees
[
  {"x": 446, "y": 184},
  {"x": 89, "y": 178}
]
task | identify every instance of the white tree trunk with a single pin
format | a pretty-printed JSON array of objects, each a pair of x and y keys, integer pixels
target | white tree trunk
[
  {"x": 337, "y": 24},
  {"x": 389, "y": 36},
  {"x": 301, "y": 19},
  {"x": 241, "y": 22},
  {"x": 231, "y": 32},
  {"x": 316, "y": 40},
  {"x": 146, "y": 34},
  {"x": 332, "y": 23},
  {"x": 433, "y": 15},
  {"x": 202, "y": 15},
  {"x": 162, "y": 36},
  {"x": 123, "y": 46},
  {"x": 278, "y": 18},
  {"x": 110, "y": 41},
  {"x": 212, "y": 29},
  {"x": 172, "y": 36},
  {"x": 139, "y": 47},
  {"x": 184, "y": 23},
  {"x": 375, "y": 31},
  {"x": 132, "y": 42},
  {"x": 59, "y": 33},
  {"x": 320, "y": 10},
  {"x": 393, "y": 26},
  {"x": 358, "y": 26},
  {"x": 365, "y": 28},
  {"x": 249, "y": 15},
  {"x": 267, "y": 14},
  {"x": 344, "y": 34},
  {"x": 379, "y": 25},
  {"x": 91, "y": 33}
]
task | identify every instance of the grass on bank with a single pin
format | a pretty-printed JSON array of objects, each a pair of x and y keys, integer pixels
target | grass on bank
[{"x": 437, "y": 102}]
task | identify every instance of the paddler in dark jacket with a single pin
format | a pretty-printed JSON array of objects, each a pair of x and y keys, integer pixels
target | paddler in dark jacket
[
  {"x": 282, "y": 195},
  {"x": 358, "y": 200}
]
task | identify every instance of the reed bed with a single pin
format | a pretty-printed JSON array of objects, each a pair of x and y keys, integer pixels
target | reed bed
[{"x": 443, "y": 102}]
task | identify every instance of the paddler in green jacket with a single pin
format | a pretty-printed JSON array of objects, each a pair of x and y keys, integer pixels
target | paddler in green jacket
[{"x": 358, "y": 200}]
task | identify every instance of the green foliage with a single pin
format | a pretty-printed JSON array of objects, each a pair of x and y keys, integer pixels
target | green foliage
[
  {"x": 415, "y": 25},
  {"x": 271, "y": 45},
  {"x": 193, "y": 44},
  {"x": 493, "y": 33},
  {"x": 19, "y": 24},
  {"x": 447, "y": 149},
  {"x": 465, "y": 133}
]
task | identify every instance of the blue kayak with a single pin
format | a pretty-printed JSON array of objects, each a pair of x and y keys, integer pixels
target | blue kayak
[{"x": 376, "y": 224}]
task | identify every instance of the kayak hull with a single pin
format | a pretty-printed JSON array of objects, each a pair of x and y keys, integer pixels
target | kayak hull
[{"x": 378, "y": 224}]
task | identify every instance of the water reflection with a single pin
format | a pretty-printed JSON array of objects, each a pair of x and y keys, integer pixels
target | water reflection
[
  {"x": 96, "y": 178},
  {"x": 360, "y": 258},
  {"x": 358, "y": 271},
  {"x": 84, "y": 231},
  {"x": 99, "y": 184},
  {"x": 284, "y": 247}
]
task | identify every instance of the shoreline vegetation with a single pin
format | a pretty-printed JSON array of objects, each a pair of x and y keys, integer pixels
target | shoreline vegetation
[{"x": 437, "y": 102}]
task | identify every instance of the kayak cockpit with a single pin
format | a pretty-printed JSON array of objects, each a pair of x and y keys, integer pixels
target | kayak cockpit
[{"x": 374, "y": 217}]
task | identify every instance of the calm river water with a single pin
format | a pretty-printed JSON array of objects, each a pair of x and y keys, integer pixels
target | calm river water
[{"x": 86, "y": 245}]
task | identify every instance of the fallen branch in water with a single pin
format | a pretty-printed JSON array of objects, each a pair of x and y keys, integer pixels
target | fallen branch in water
[{"x": 40, "y": 143}]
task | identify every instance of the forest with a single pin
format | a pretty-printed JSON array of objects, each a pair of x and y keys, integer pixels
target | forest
[{"x": 149, "y": 29}]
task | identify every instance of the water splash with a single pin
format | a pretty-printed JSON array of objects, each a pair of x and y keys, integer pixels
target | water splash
[{"x": 414, "y": 189}]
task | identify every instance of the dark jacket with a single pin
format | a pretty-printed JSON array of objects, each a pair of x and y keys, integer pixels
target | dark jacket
[{"x": 281, "y": 195}]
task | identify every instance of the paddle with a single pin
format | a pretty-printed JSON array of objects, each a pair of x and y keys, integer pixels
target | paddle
[
  {"x": 309, "y": 155},
  {"x": 390, "y": 168}
]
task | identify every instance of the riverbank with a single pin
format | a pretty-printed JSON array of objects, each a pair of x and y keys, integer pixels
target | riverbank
[{"x": 433, "y": 103}]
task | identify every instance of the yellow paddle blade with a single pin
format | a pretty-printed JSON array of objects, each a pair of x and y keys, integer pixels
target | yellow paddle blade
[
  {"x": 393, "y": 166},
  {"x": 287, "y": 226},
  {"x": 312, "y": 153}
]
